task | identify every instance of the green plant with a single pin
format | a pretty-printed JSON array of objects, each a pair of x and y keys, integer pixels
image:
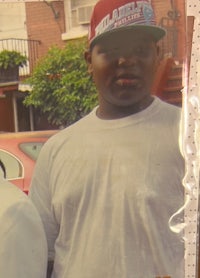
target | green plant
[
  {"x": 11, "y": 59},
  {"x": 61, "y": 86}
]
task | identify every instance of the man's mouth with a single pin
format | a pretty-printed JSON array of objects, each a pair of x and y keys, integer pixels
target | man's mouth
[{"x": 127, "y": 80}]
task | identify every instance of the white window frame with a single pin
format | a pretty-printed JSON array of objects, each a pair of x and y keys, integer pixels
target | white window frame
[{"x": 74, "y": 32}]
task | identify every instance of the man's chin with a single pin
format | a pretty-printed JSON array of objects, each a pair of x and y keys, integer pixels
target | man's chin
[{"x": 128, "y": 100}]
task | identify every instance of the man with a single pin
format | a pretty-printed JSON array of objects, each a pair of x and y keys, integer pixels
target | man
[
  {"x": 23, "y": 247},
  {"x": 108, "y": 188}
]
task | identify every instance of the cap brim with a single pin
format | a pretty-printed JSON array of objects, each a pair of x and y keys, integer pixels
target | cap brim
[{"x": 156, "y": 32}]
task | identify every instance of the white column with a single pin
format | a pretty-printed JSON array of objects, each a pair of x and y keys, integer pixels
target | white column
[{"x": 14, "y": 103}]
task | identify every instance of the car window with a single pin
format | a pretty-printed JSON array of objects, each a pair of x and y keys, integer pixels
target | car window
[
  {"x": 14, "y": 168},
  {"x": 32, "y": 149}
]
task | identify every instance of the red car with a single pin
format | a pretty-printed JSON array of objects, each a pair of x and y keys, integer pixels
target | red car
[{"x": 19, "y": 151}]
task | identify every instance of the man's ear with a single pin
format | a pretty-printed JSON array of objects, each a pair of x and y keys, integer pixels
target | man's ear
[
  {"x": 88, "y": 59},
  {"x": 158, "y": 57},
  {"x": 158, "y": 52},
  {"x": 158, "y": 49}
]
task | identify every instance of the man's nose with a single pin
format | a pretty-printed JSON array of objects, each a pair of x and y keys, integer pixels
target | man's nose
[{"x": 127, "y": 58}]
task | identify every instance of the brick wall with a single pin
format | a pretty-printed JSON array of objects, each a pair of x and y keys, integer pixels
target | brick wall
[
  {"x": 162, "y": 7},
  {"x": 43, "y": 26},
  {"x": 181, "y": 25},
  {"x": 169, "y": 81}
]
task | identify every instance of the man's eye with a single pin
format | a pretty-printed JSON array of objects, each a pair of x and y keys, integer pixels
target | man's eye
[
  {"x": 142, "y": 51},
  {"x": 110, "y": 51}
]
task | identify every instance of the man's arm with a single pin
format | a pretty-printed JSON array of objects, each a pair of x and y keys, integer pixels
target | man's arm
[
  {"x": 23, "y": 246},
  {"x": 40, "y": 194}
]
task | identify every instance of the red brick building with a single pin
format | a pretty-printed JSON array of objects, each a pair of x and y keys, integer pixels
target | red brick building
[{"x": 45, "y": 23}]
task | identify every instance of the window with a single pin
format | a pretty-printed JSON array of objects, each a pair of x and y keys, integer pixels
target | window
[
  {"x": 81, "y": 15},
  {"x": 78, "y": 13},
  {"x": 32, "y": 149},
  {"x": 14, "y": 168}
]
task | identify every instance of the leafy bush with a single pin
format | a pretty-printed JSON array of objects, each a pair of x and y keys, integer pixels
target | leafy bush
[
  {"x": 61, "y": 85},
  {"x": 12, "y": 59}
]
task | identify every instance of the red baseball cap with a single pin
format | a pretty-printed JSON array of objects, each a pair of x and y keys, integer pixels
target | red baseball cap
[{"x": 114, "y": 15}]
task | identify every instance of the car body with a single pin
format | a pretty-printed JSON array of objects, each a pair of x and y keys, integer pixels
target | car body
[{"x": 19, "y": 151}]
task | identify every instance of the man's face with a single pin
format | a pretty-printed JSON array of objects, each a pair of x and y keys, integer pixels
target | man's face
[{"x": 123, "y": 67}]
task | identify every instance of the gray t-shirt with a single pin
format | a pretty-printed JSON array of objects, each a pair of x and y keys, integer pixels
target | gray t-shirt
[{"x": 108, "y": 192}]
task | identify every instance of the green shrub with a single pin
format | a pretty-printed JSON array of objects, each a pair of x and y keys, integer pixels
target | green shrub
[
  {"x": 12, "y": 59},
  {"x": 61, "y": 85}
]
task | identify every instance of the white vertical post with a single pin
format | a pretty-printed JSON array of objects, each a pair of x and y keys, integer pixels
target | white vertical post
[{"x": 14, "y": 103}]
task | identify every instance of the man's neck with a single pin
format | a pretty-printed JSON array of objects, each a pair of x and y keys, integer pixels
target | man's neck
[{"x": 108, "y": 113}]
